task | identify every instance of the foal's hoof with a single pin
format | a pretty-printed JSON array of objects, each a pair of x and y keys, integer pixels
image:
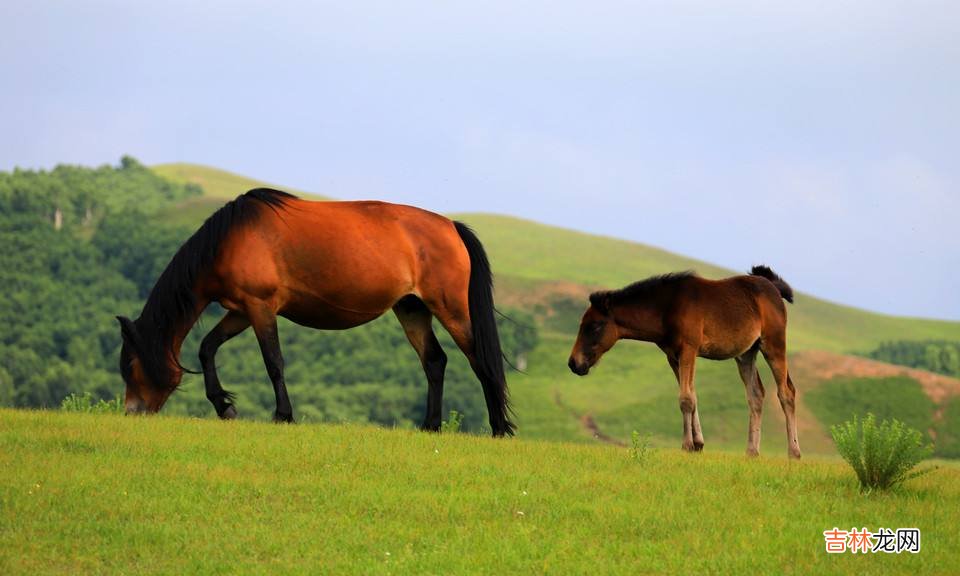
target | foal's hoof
[
  {"x": 229, "y": 413},
  {"x": 794, "y": 454},
  {"x": 689, "y": 447}
]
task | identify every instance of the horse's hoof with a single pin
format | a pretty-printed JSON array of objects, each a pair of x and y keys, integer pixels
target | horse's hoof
[
  {"x": 752, "y": 453},
  {"x": 283, "y": 418},
  {"x": 698, "y": 446},
  {"x": 794, "y": 455},
  {"x": 688, "y": 447},
  {"x": 229, "y": 413}
]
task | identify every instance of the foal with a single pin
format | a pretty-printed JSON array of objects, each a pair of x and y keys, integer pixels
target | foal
[{"x": 688, "y": 316}]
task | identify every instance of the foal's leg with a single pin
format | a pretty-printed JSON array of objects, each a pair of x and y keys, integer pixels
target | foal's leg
[
  {"x": 775, "y": 353},
  {"x": 688, "y": 398},
  {"x": 747, "y": 364},
  {"x": 264, "y": 323},
  {"x": 228, "y": 327},
  {"x": 417, "y": 322},
  {"x": 697, "y": 431}
]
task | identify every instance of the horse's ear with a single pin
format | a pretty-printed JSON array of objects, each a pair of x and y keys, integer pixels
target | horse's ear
[
  {"x": 601, "y": 301},
  {"x": 127, "y": 328}
]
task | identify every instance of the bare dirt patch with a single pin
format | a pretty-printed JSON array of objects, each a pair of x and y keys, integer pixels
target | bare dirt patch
[
  {"x": 512, "y": 292},
  {"x": 816, "y": 366},
  {"x": 587, "y": 422}
]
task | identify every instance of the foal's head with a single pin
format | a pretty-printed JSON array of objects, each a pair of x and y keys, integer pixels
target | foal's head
[
  {"x": 149, "y": 383},
  {"x": 598, "y": 333}
]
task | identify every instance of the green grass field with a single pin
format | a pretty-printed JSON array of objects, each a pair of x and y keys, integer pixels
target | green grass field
[
  {"x": 900, "y": 398},
  {"x": 86, "y": 493}
]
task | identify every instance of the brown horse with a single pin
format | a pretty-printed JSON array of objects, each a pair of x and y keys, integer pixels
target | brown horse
[
  {"x": 688, "y": 316},
  {"x": 326, "y": 265}
]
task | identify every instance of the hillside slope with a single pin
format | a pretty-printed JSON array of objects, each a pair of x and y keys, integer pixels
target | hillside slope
[
  {"x": 105, "y": 494},
  {"x": 218, "y": 186}
]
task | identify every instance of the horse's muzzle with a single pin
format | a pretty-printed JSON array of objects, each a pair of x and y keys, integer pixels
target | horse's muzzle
[
  {"x": 578, "y": 369},
  {"x": 135, "y": 407}
]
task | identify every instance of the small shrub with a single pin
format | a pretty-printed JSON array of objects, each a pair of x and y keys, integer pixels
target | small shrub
[
  {"x": 639, "y": 447},
  {"x": 882, "y": 455},
  {"x": 83, "y": 402},
  {"x": 452, "y": 425}
]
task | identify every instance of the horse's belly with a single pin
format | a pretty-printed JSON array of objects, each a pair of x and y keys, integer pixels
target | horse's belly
[
  {"x": 713, "y": 352},
  {"x": 316, "y": 313},
  {"x": 728, "y": 346},
  {"x": 326, "y": 312}
]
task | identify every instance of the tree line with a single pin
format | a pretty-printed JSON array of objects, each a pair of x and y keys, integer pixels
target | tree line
[{"x": 940, "y": 356}]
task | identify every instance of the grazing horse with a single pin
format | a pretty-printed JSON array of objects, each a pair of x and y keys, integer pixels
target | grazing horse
[
  {"x": 325, "y": 265},
  {"x": 688, "y": 316}
]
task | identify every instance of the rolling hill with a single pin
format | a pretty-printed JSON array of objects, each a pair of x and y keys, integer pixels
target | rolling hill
[{"x": 550, "y": 271}]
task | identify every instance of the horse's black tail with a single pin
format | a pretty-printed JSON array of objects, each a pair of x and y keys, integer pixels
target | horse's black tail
[
  {"x": 786, "y": 292},
  {"x": 488, "y": 357}
]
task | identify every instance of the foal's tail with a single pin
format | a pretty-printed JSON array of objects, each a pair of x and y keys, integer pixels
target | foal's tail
[
  {"x": 488, "y": 356},
  {"x": 764, "y": 271}
]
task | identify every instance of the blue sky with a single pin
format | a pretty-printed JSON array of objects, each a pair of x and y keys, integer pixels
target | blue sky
[{"x": 820, "y": 137}]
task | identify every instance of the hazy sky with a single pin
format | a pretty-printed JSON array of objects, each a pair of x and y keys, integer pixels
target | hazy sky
[{"x": 820, "y": 137}]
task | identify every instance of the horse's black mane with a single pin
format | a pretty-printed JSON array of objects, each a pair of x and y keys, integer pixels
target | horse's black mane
[
  {"x": 171, "y": 302},
  {"x": 640, "y": 289}
]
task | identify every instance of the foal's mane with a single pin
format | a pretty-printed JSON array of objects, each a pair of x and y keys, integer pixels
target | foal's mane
[
  {"x": 171, "y": 302},
  {"x": 641, "y": 289}
]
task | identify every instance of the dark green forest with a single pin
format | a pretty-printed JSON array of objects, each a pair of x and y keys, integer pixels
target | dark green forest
[
  {"x": 938, "y": 356},
  {"x": 82, "y": 245}
]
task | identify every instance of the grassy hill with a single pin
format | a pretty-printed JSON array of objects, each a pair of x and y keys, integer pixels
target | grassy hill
[
  {"x": 85, "y": 493},
  {"x": 218, "y": 186},
  {"x": 550, "y": 271}
]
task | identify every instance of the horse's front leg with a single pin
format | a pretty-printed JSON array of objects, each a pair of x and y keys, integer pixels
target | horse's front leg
[
  {"x": 692, "y": 435},
  {"x": 697, "y": 432},
  {"x": 228, "y": 327}
]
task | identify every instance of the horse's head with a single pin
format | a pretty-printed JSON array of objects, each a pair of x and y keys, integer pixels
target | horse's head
[
  {"x": 143, "y": 393},
  {"x": 598, "y": 333}
]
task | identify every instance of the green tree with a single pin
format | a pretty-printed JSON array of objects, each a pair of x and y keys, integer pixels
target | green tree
[{"x": 6, "y": 388}]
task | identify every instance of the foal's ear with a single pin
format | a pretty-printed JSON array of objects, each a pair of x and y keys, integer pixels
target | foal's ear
[{"x": 601, "y": 301}]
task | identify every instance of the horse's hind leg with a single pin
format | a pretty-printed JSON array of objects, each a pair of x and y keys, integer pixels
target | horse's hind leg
[
  {"x": 747, "y": 364},
  {"x": 775, "y": 353},
  {"x": 228, "y": 327},
  {"x": 417, "y": 322},
  {"x": 264, "y": 323},
  {"x": 459, "y": 327}
]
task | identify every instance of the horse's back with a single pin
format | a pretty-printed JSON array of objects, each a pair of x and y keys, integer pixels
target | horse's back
[
  {"x": 732, "y": 313},
  {"x": 337, "y": 264},
  {"x": 371, "y": 239}
]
